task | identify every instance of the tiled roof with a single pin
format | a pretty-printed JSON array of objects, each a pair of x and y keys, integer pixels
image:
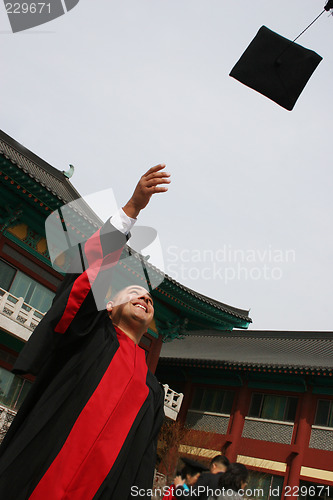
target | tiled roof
[{"x": 287, "y": 350}]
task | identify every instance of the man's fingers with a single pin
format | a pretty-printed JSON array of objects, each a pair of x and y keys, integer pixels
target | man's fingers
[
  {"x": 156, "y": 175},
  {"x": 158, "y": 189},
  {"x": 155, "y": 182},
  {"x": 158, "y": 167}
]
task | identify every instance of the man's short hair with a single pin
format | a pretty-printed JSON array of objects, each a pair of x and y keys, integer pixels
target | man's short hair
[{"x": 220, "y": 460}]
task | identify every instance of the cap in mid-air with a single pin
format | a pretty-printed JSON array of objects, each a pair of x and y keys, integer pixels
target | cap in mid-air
[{"x": 276, "y": 67}]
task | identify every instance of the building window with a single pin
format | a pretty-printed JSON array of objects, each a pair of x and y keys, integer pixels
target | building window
[
  {"x": 324, "y": 414},
  {"x": 13, "y": 389},
  {"x": 21, "y": 285},
  {"x": 213, "y": 400},
  {"x": 264, "y": 486},
  {"x": 270, "y": 407}
]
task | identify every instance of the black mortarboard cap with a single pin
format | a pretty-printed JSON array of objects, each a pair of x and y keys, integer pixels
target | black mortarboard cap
[
  {"x": 276, "y": 67},
  {"x": 194, "y": 465}
]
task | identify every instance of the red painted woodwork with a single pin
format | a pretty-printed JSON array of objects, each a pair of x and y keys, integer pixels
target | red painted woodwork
[
  {"x": 236, "y": 424},
  {"x": 301, "y": 438},
  {"x": 154, "y": 352}
]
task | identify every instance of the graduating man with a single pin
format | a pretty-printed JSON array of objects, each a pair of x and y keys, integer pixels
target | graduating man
[{"x": 88, "y": 427}]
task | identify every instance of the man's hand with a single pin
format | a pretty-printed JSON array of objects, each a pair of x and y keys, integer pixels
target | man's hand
[
  {"x": 149, "y": 184},
  {"x": 178, "y": 481}
]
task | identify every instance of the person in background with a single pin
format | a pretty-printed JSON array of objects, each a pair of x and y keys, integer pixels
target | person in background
[
  {"x": 185, "y": 479},
  {"x": 209, "y": 481},
  {"x": 232, "y": 482}
]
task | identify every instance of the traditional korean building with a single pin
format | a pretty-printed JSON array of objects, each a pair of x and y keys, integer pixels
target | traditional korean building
[
  {"x": 30, "y": 190},
  {"x": 263, "y": 398}
]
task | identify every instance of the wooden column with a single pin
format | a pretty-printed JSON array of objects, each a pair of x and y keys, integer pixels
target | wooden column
[
  {"x": 154, "y": 353},
  {"x": 300, "y": 445},
  {"x": 237, "y": 419},
  {"x": 188, "y": 393}
]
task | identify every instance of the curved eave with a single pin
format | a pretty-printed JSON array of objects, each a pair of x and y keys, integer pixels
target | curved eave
[
  {"x": 57, "y": 190},
  {"x": 250, "y": 367},
  {"x": 36, "y": 167},
  {"x": 197, "y": 298},
  {"x": 43, "y": 202}
]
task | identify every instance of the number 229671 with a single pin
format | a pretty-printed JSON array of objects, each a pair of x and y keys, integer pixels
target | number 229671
[{"x": 28, "y": 8}]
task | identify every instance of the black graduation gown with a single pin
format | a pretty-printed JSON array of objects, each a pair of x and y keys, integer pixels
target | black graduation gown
[{"x": 88, "y": 427}]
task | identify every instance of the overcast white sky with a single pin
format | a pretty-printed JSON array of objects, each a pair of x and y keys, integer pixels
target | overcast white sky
[{"x": 116, "y": 87}]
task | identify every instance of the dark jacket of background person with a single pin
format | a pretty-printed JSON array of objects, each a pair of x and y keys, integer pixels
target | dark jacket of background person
[{"x": 208, "y": 481}]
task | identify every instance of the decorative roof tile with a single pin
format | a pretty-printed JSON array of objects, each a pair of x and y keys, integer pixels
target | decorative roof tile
[{"x": 282, "y": 350}]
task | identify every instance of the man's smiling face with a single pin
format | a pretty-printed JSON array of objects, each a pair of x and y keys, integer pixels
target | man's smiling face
[{"x": 132, "y": 306}]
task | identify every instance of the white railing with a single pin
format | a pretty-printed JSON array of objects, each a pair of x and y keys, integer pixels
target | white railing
[
  {"x": 6, "y": 418},
  {"x": 159, "y": 484},
  {"x": 172, "y": 402},
  {"x": 17, "y": 310}
]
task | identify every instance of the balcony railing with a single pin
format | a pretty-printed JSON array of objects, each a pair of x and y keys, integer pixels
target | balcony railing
[
  {"x": 268, "y": 430},
  {"x": 321, "y": 438},
  {"x": 19, "y": 311},
  {"x": 207, "y": 421},
  {"x": 6, "y": 418},
  {"x": 172, "y": 402}
]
